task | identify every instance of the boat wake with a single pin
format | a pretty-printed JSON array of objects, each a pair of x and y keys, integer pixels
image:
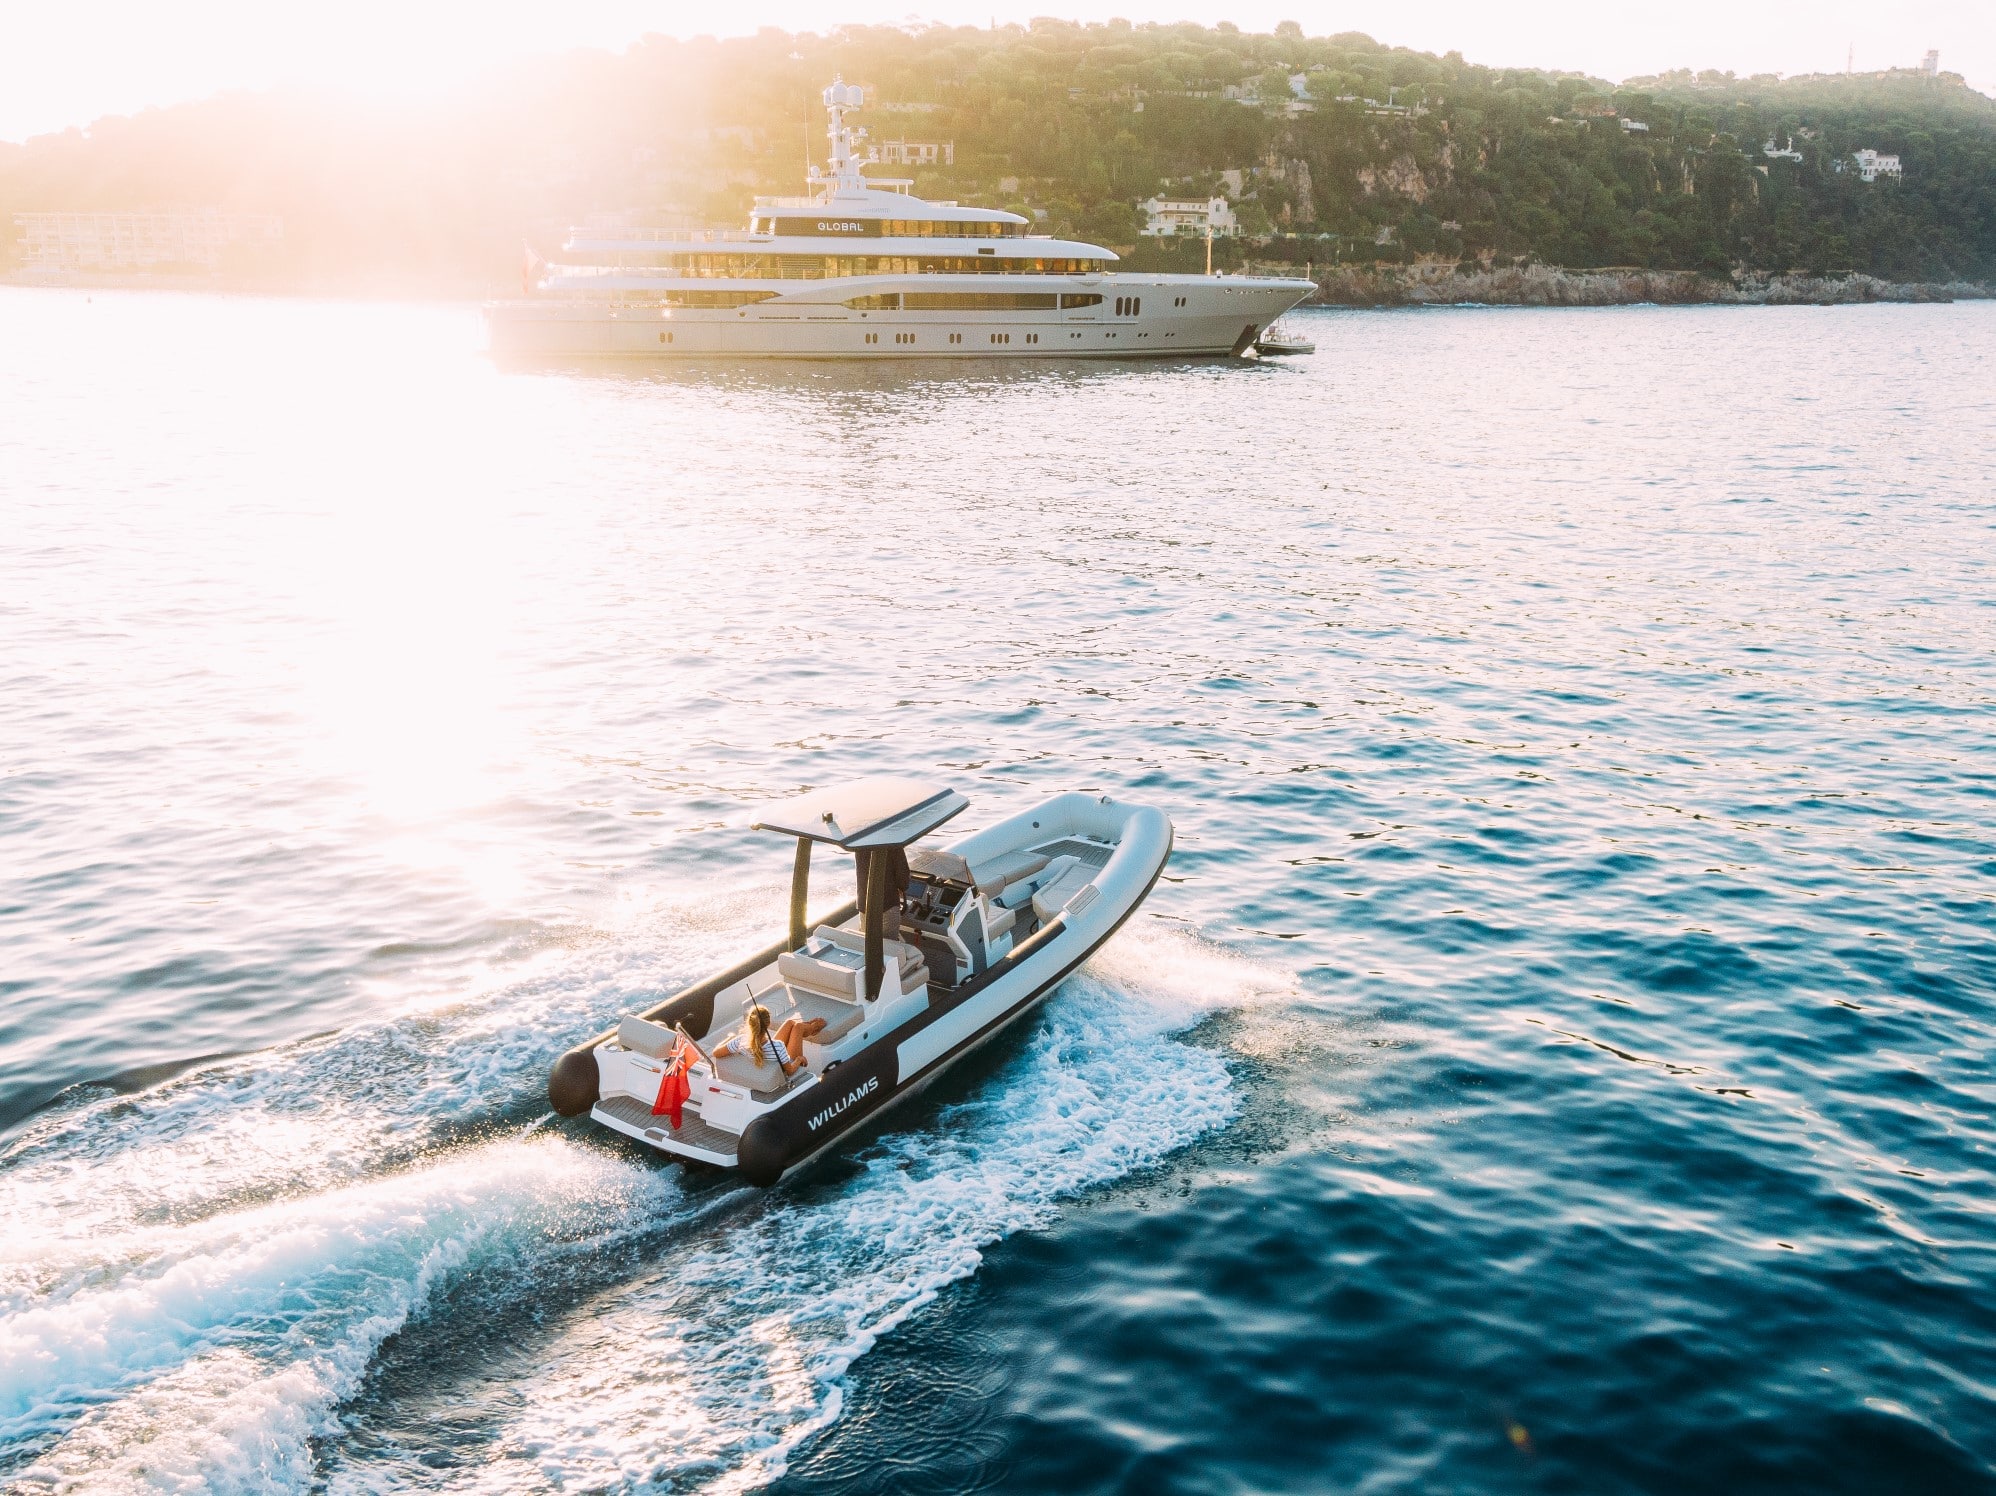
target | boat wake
[{"x": 255, "y": 1276}]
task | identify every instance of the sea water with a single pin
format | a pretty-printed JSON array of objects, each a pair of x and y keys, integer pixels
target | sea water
[{"x": 1556, "y": 1058}]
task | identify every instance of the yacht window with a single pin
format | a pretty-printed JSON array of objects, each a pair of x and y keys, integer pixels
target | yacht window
[
  {"x": 1073, "y": 299},
  {"x": 833, "y": 225},
  {"x": 715, "y": 298},
  {"x": 820, "y": 266},
  {"x": 980, "y": 301}
]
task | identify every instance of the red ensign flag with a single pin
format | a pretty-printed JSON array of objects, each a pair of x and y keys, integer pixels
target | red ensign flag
[{"x": 673, "y": 1087}]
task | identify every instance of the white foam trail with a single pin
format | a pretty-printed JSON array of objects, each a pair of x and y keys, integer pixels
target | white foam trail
[
  {"x": 336, "y": 1111},
  {"x": 717, "y": 1370},
  {"x": 194, "y": 1282},
  {"x": 222, "y": 1348}
]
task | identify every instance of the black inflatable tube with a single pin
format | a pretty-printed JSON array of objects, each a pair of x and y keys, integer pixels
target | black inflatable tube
[
  {"x": 866, "y": 1083},
  {"x": 574, "y": 1082}
]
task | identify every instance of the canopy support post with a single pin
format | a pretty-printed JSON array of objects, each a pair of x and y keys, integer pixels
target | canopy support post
[
  {"x": 875, "y": 877},
  {"x": 800, "y": 885}
]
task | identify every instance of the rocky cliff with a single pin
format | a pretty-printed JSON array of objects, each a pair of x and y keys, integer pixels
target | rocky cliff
[{"x": 1548, "y": 285}]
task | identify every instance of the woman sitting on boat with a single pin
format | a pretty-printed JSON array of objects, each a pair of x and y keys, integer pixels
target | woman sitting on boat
[{"x": 784, "y": 1048}]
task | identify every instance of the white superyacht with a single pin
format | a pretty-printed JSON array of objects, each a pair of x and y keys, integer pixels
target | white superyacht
[{"x": 861, "y": 268}]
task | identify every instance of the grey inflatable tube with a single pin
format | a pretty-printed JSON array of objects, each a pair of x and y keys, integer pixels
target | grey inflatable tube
[{"x": 573, "y": 1083}]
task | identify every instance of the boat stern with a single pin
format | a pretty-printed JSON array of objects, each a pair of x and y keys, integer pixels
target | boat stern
[{"x": 695, "y": 1138}]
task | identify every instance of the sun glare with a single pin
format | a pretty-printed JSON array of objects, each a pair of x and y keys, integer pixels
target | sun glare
[{"x": 56, "y": 69}]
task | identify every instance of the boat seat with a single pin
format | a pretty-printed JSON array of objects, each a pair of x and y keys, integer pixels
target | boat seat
[
  {"x": 906, "y": 956},
  {"x": 841, "y": 1016},
  {"x": 802, "y": 971},
  {"x": 989, "y": 877},
  {"x": 764, "y": 1081},
  {"x": 1015, "y": 896},
  {"x": 1058, "y": 889},
  {"x": 644, "y": 1037},
  {"x": 1000, "y": 873}
]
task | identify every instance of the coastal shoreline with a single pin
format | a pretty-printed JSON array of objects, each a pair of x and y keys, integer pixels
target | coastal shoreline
[
  {"x": 1553, "y": 286},
  {"x": 1370, "y": 287}
]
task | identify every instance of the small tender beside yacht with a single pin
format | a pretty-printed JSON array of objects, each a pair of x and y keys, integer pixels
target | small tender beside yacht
[
  {"x": 1282, "y": 338},
  {"x": 943, "y": 948}
]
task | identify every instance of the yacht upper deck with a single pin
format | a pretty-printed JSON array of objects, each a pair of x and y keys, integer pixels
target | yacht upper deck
[{"x": 791, "y": 237}]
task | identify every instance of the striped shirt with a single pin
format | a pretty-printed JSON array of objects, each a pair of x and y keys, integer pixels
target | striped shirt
[{"x": 772, "y": 1050}]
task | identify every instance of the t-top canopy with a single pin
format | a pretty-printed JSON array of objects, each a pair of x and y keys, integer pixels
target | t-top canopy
[{"x": 881, "y": 811}]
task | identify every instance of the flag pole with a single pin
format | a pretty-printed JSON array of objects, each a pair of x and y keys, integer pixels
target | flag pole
[{"x": 680, "y": 1029}]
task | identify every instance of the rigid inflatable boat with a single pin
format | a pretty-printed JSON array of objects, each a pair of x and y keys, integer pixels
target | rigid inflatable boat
[{"x": 943, "y": 948}]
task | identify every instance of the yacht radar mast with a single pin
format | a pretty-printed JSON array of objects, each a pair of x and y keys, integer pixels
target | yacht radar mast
[{"x": 844, "y": 177}]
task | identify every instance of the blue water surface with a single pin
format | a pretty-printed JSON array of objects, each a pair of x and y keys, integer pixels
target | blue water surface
[{"x": 1556, "y": 1059}]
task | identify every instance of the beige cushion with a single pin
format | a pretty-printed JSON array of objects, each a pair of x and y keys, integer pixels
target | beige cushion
[
  {"x": 740, "y": 1070},
  {"x": 1015, "y": 896},
  {"x": 1000, "y": 873},
  {"x": 904, "y": 954},
  {"x": 644, "y": 1036},
  {"x": 1001, "y": 920},
  {"x": 837, "y": 1028},
  {"x": 818, "y": 976},
  {"x": 1054, "y": 895}
]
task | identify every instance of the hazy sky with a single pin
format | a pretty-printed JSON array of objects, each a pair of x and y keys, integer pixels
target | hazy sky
[{"x": 65, "y": 63}]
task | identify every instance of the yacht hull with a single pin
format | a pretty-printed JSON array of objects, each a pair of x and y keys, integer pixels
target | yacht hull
[{"x": 1185, "y": 317}]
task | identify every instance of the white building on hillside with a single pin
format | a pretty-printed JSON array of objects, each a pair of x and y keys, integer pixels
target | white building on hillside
[
  {"x": 179, "y": 240},
  {"x": 918, "y": 152},
  {"x": 1781, "y": 153},
  {"x": 1871, "y": 165},
  {"x": 1167, "y": 216}
]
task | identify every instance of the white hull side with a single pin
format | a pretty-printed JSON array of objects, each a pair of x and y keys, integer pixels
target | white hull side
[{"x": 1220, "y": 316}]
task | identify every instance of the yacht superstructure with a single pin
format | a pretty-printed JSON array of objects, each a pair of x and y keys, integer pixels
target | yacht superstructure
[{"x": 861, "y": 268}]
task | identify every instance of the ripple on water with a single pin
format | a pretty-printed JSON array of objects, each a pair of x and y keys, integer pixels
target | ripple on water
[{"x": 1593, "y": 746}]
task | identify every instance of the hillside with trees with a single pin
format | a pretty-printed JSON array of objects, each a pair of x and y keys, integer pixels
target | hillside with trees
[{"x": 1336, "y": 150}]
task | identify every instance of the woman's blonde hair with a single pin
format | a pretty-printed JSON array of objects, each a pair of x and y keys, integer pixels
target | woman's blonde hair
[{"x": 758, "y": 1032}]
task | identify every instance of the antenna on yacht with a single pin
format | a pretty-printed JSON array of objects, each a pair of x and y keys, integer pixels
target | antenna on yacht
[{"x": 844, "y": 167}]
